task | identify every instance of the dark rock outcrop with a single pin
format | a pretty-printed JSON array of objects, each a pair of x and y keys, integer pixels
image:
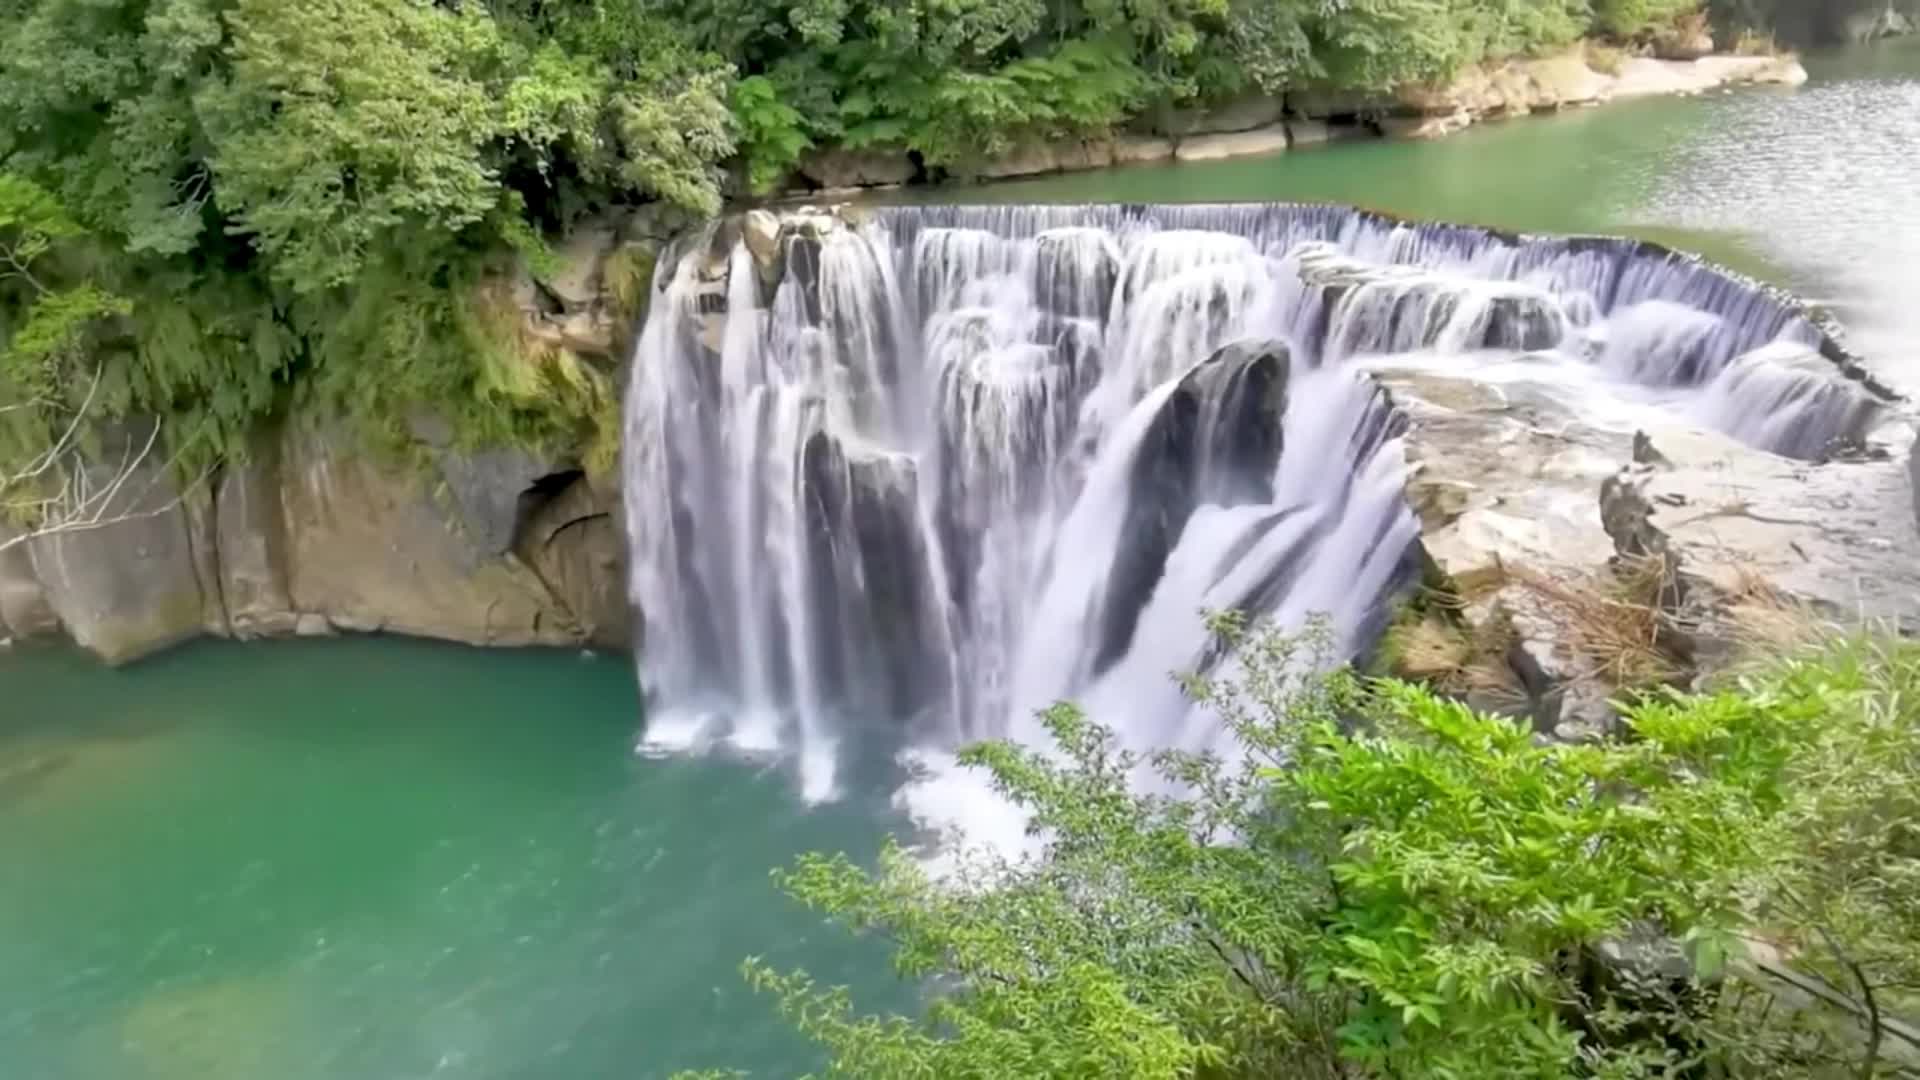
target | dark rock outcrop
[
  {"x": 1217, "y": 439},
  {"x": 867, "y": 575},
  {"x": 573, "y": 542}
]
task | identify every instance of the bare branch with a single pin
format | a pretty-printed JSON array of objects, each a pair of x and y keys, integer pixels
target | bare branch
[{"x": 58, "y": 491}]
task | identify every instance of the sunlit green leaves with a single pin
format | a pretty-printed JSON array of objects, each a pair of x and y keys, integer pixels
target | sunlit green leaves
[{"x": 1394, "y": 884}]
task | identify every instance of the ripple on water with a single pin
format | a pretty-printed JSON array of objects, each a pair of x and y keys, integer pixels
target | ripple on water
[{"x": 1823, "y": 181}]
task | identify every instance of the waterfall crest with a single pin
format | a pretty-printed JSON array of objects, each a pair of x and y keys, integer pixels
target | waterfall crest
[{"x": 930, "y": 469}]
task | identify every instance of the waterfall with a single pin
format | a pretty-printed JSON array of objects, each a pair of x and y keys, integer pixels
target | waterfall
[{"x": 926, "y": 470}]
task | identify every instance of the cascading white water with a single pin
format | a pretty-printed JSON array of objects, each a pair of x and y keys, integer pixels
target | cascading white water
[{"x": 942, "y": 467}]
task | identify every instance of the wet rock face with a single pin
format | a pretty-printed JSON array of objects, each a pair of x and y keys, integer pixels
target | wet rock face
[
  {"x": 1075, "y": 271},
  {"x": 310, "y": 533},
  {"x": 250, "y": 546},
  {"x": 867, "y": 575},
  {"x": 1216, "y": 440},
  {"x": 488, "y": 487},
  {"x": 1789, "y": 399},
  {"x": 573, "y": 541}
]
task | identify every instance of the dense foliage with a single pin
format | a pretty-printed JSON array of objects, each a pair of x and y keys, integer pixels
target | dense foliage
[
  {"x": 306, "y": 197},
  {"x": 953, "y": 80},
  {"x": 1391, "y": 884},
  {"x": 308, "y": 194}
]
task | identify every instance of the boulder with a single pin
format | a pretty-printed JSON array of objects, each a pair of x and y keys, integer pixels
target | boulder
[
  {"x": 1072, "y": 155},
  {"x": 1027, "y": 158},
  {"x": 1683, "y": 43},
  {"x": 760, "y": 230},
  {"x": 372, "y": 545},
  {"x": 1563, "y": 80},
  {"x": 574, "y": 281},
  {"x": 133, "y": 587},
  {"x": 1267, "y": 140},
  {"x": 838, "y": 167}
]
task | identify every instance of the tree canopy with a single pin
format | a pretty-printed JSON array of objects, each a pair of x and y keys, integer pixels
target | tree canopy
[
  {"x": 289, "y": 193},
  {"x": 1388, "y": 883}
]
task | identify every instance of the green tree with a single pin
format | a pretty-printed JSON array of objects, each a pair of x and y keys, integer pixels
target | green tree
[{"x": 1387, "y": 883}]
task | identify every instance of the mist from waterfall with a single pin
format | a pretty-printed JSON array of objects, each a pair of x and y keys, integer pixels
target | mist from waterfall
[{"x": 931, "y": 470}]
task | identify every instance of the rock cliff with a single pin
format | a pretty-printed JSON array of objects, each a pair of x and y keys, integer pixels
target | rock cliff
[{"x": 314, "y": 534}]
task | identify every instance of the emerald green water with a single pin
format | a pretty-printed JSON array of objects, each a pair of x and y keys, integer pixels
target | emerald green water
[{"x": 378, "y": 859}]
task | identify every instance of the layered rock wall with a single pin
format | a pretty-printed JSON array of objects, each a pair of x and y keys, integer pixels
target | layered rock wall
[{"x": 312, "y": 534}]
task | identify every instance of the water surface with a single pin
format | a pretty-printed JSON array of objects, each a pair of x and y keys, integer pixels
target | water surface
[{"x": 380, "y": 858}]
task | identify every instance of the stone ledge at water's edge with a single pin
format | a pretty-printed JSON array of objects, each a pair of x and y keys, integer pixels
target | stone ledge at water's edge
[
  {"x": 314, "y": 534},
  {"x": 1263, "y": 124}
]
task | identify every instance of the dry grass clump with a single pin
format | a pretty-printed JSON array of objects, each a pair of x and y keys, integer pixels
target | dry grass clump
[
  {"x": 1752, "y": 42},
  {"x": 1454, "y": 656},
  {"x": 1617, "y": 623},
  {"x": 1606, "y": 59},
  {"x": 1765, "y": 623}
]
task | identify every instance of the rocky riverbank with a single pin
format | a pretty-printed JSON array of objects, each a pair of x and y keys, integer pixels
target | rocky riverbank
[{"x": 1262, "y": 124}]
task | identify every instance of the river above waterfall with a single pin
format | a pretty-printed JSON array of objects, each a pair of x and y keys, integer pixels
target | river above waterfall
[
  {"x": 1812, "y": 188},
  {"x": 385, "y": 859}
]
